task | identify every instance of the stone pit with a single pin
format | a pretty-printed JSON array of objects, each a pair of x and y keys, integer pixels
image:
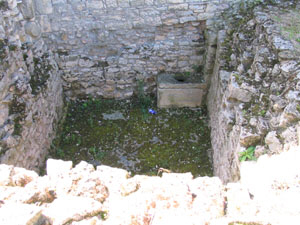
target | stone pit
[{"x": 247, "y": 53}]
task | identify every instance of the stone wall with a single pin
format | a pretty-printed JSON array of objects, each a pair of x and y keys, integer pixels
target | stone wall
[
  {"x": 30, "y": 89},
  {"x": 84, "y": 195},
  {"x": 254, "y": 94},
  {"x": 105, "y": 46}
]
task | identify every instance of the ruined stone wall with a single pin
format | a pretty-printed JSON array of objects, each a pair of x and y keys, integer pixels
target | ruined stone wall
[
  {"x": 83, "y": 195},
  {"x": 30, "y": 89},
  {"x": 105, "y": 46},
  {"x": 255, "y": 87}
]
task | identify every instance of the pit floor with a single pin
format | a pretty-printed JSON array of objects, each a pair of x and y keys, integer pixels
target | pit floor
[{"x": 123, "y": 134}]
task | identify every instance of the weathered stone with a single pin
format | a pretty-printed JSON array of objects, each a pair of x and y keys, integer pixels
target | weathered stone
[
  {"x": 236, "y": 92},
  {"x": 71, "y": 208},
  {"x": 273, "y": 142},
  {"x": 247, "y": 138},
  {"x": 281, "y": 44},
  {"x": 181, "y": 94},
  {"x": 21, "y": 176},
  {"x": 26, "y": 214},
  {"x": 27, "y": 9},
  {"x": 289, "y": 115},
  {"x": 43, "y": 6},
  {"x": 33, "y": 29},
  {"x": 45, "y": 24},
  {"x": 90, "y": 186}
]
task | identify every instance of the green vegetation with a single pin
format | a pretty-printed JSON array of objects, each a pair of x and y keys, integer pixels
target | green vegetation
[
  {"x": 12, "y": 47},
  {"x": 3, "y": 44},
  {"x": 262, "y": 112},
  {"x": 248, "y": 154},
  {"x": 17, "y": 108},
  {"x": 103, "y": 215},
  {"x": 174, "y": 139},
  {"x": 40, "y": 75},
  {"x": 3, "y": 5},
  {"x": 144, "y": 101},
  {"x": 298, "y": 108}
]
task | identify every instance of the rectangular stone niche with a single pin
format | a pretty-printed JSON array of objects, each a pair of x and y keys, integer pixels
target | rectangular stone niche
[{"x": 174, "y": 93}]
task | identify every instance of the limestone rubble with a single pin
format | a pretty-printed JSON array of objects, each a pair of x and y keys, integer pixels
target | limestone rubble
[{"x": 106, "y": 195}]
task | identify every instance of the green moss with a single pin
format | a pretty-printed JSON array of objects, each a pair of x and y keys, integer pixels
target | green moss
[
  {"x": 3, "y": 149},
  {"x": 3, "y": 5},
  {"x": 18, "y": 109},
  {"x": 175, "y": 139},
  {"x": 3, "y": 44},
  {"x": 40, "y": 75},
  {"x": 298, "y": 108},
  {"x": 12, "y": 47}
]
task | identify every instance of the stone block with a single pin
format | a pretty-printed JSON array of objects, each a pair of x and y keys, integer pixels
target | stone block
[
  {"x": 95, "y": 4},
  {"x": 236, "y": 92},
  {"x": 137, "y": 2},
  {"x": 71, "y": 208},
  {"x": 178, "y": 7},
  {"x": 43, "y": 6},
  {"x": 33, "y": 29},
  {"x": 111, "y": 3},
  {"x": 123, "y": 3},
  {"x": 175, "y": 1},
  {"x": 187, "y": 19},
  {"x": 45, "y": 24},
  {"x": 27, "y": 9},
  {"x": 172, "y": 93}
]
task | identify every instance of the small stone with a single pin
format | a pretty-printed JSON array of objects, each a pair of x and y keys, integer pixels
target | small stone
[
  {"x": 70, "y": 208},
  {"x": 253, "y": 122},
  {"x": 259, "y": 150},
  {"x": 113, "y": 116},
  {"x": 90, "y": 186},
  {"x": 43, "y": 6},
  {"x": 247, "y": 138},
  {"x": 287, "y": 55},
  {"x": 27, "y": 9},
  {"x": 21, "y": 177},
  {"x": 37, "y": 191},
  {"x": 85, "y": 63},
  {"x": 273, "y": 142},
  {"x": 281, "y": 44},
  {"x": 290, "y": 114},
  {"x": 32, "y": 29},
  {"x": 236, "y": 92}
]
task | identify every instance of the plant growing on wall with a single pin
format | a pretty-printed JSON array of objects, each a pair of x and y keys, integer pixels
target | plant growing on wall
[{"x": 248, "y": 154}]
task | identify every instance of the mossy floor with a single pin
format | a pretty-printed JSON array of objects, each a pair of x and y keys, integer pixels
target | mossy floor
[{"x": 133, "y": 139}]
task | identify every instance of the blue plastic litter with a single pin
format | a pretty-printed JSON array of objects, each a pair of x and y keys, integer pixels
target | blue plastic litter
[{"x": 152, "y": 111}]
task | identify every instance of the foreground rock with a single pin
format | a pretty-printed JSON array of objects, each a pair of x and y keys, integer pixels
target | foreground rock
[{"x": 109, "y": 196}]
